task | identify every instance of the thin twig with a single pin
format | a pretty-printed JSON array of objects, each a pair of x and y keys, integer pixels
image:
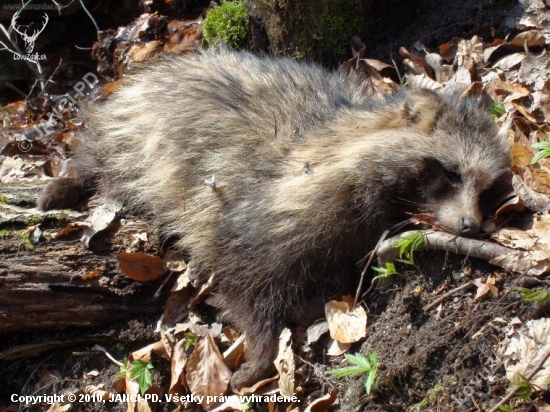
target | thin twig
[
  {"x": 361, "y": 280},
  {"x": 89, "y": 15},
  {"x": 111, "y": 358},
  {"x": 440, "y": 299}
]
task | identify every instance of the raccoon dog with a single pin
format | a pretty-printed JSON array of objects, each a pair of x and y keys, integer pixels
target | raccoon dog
[{"x": 277, "y": 177}]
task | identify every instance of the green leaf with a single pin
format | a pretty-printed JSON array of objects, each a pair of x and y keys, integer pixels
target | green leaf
[
  {"x": 537, "y": 296},
  {"x": 384, "y": 272},
  {"x": 544, "y": 151},
  {"x": 408, "y": 244},
  {"x": 525, "y": 388},
  {"x": 190, "y": 340},
  {"x": 361, "y": 364},
  {"x": 123, "y": 368},
  {"x": 141, "y": 372},
  {"x": 371, "y": 376},
  {"x": 496, "y": 109},
  {"x": 373, "y": 359}
]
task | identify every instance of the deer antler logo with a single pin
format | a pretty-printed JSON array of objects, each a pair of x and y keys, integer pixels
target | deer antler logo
[{"x": 30, "y": 40}]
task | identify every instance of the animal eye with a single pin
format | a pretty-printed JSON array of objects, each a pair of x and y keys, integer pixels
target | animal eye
[{"x": 453, "y": 177}]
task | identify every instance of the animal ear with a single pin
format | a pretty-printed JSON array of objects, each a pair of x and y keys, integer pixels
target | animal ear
[{"x": 420, "y": 109}]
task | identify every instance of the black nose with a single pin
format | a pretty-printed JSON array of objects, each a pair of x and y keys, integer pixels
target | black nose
[{"x": 468, "y": 227}]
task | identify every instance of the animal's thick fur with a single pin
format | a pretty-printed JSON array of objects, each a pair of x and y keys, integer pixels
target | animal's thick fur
[{"x": 277, "y": 176}]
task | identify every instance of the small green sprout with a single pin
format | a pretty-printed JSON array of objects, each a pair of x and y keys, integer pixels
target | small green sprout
[
  {"x": 407, "y": 245},
  {"x": 525, "y": 388},
  {"x": 496, "y": 109},
  {"x": 384, "y": 272},
  {"x": 539, "y": 296},
  {"x": 140, "y": 371},
  {"x": 505, "y": 408},
  {"x": 361, "y": 364},
  {"x": 544, "y": 151},
  {"x": 190, "y": 340}
]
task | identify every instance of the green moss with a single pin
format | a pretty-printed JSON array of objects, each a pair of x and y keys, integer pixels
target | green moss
[
  {"x": 227, "y": 22},
  {"x": 62, "y": 216},
  {"x": 3, "y": 199},
  {"x": 19, "y": 238},
  {"x": 328, "y": 25},
  {"x": 26, "y": 241}
]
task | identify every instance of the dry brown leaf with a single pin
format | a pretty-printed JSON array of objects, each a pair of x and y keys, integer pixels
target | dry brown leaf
[
  {"x": 541, "y": 230},
  {"x": 469, "y": 53},
  {"x": 531, "y": 263},
  {"x": 140, "y": 266},
  {"x": 484, "y": 288},
  {"x": 284, "y": 362},
  {"x": 135, "y": 402},
  {"x": 144, "y": 354},
  {"x": 460, "y": 81},
  {"x": 231, "y": 403},
  {"x": 536, "y": 179},
  {"x": 515, "y": 238},
  {"x": 422, "y": 81},
  {"x": 416, "y": 63},
  {"x": 535, "y": 70},
  {"x": 70, "y": 228},
  {"x": 335, "y": 348},
  {"x": 92, "y": 275},
  {"x": 515, "y": 204},
  {"x": 101, "y": 218},
  {"x": 545, "y": 100},
  {"x": 346, "y": 325},
  {"x": 264, "y": 386},
  {"x": 510, "y": 61},
  {"x": 323, "y": 403},
  {"x": 177, "y": 370},
  {"x": 145, "y": 51},
  {"x": 521, "y": 155},
  {"x": 530, "y": 38},
  {"x": 524, "y": 112},
  {"x": 448, "y": 50},
  {"x": 528, "y": 345},
  {"x": 206, "y": 372},
  {"x": 99, "y": 391},
  {"x": 512, "y": 91},
  {"x": 315, "y": 331},
  {"x": 174, "y": 261},
  {"x": 535, "y": 15}
]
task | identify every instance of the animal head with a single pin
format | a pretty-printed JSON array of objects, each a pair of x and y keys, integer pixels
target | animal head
[{"x": 463, "y": 159}]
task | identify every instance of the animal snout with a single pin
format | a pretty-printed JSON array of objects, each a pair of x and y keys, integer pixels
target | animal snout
[{"x": 468, "y": 227}]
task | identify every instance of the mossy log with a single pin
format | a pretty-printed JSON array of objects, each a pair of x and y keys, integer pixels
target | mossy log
[{"x": 51, "y": 284}]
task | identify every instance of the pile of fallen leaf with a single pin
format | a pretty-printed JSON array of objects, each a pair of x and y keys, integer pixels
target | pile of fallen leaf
[{"x": 510, "y": 73}]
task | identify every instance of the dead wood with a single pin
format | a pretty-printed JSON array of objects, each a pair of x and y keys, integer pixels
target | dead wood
[{"x": 41, "y": 281}]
